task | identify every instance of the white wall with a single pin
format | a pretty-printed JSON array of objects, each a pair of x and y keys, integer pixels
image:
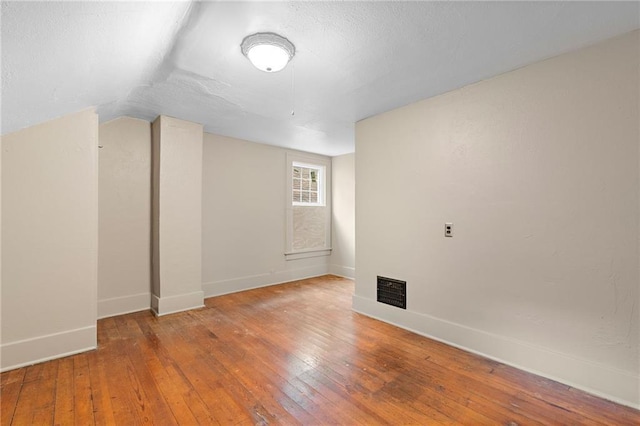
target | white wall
[
  {"x": 177, "y": 211},
  {"x": 49, "y": 240},
  {"x": 124, "y": 241},
  {"x": 538, "y": 171},
  {"x": 243, "y": 212},
  {"x": 343, "y": 256}
]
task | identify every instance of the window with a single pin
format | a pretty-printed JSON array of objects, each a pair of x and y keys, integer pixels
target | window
[
  {"x": 308, "y": 184},
  {"x": 308, "y": 232}
]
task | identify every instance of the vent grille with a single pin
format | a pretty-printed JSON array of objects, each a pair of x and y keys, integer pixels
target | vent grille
[{"x": 392, "y": 292}]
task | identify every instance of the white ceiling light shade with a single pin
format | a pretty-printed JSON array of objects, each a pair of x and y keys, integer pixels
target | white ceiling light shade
[{"x": 268, "y": 52}]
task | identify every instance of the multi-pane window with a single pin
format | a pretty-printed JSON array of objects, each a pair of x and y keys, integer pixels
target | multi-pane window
[{"x": 307, "y": 184}]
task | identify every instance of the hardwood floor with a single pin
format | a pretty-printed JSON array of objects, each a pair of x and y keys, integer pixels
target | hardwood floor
[{"x": 288, "y": 354}]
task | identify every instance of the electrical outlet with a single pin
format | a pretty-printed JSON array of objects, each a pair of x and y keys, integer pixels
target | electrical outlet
[{"x": 448, "y": 229}]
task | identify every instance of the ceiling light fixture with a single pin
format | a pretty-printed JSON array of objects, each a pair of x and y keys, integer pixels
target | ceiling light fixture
[{"x": 268, "y": 52}]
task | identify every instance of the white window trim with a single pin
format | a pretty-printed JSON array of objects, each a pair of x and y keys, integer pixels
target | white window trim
[
  {"x": 322, "y": 172},
  {"x": 312, "y": 160},
  {"x": 305, "y": 254}
]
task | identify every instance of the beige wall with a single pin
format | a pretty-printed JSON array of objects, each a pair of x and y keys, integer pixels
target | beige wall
[
  {"x": 0, "y": 249},
  {"x": 243, "y": 225},
  {"x": 343, "y": 256},
  {"x": 124, "y": 250},
  {"x": 50, "y": 239},
  {"x": 538, "y": 171},
  {"x": 177, "y": 236}
]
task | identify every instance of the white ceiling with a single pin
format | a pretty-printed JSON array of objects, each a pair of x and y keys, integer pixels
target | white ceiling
[{"x": 353, "y": 59}]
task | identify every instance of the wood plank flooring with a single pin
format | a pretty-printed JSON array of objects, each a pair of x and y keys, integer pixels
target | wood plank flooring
[{"x": 288, "y": 354}]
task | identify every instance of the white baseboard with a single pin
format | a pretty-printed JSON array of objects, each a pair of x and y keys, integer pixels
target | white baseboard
[
  {"x": 44, "y": 348},
  {"x": 124, "y": 305},
  {"x": 598, "y": 379},
  {"x": 343, "y": 271},
  {"x": 218, "y": 288},
  {"x": 173, "y": 304}
]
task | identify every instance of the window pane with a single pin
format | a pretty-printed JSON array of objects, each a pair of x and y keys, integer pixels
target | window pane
[{"x": 306, "y": 184}]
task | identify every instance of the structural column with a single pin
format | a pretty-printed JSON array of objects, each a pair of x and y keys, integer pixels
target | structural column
[{"x": 176, "y": 215}]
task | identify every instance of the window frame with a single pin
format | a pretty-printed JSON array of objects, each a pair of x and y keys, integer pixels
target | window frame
[
  {"x": 316, "y": 162},
  {"x": 322, "y": 199}
]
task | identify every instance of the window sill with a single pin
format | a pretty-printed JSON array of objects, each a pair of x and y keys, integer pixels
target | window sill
[
  {"x": 304, "y": 254},
  {"x": 300, "y": 204}
]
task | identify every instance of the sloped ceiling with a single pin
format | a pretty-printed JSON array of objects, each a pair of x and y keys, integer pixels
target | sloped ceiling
[{"x": 353, "y": 60}]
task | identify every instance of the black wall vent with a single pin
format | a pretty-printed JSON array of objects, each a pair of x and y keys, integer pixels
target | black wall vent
[{"x": 392, "y": 292}]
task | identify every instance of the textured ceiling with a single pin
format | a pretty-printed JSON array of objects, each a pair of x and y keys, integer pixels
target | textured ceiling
[{"x": 353, "y": 59}]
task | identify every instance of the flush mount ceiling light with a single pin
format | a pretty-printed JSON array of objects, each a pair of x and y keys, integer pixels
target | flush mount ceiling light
[{"x": 268, "y": 52}]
